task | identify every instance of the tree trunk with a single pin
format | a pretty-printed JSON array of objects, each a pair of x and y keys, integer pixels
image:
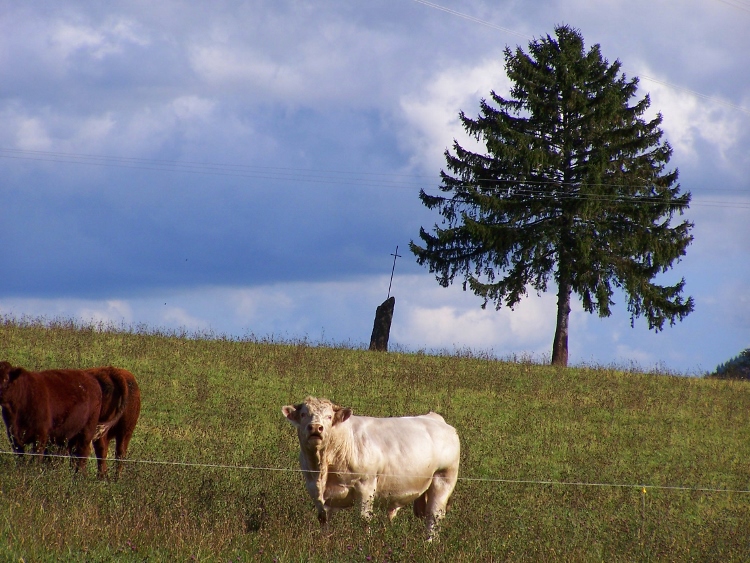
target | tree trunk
[
  {"x": 382, "y": 326},
  {"x": 560, "y": 344}
]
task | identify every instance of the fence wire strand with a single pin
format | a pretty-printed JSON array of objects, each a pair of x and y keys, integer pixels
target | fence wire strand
[{"x": 495, "y": 480}]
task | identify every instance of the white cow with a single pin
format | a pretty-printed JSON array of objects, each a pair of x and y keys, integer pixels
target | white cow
[{"x": 346, "y": 458}]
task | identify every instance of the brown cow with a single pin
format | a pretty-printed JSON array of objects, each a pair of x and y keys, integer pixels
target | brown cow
[
  {"x": 54, "y": 406},
  {"x": 121, "y": 406}
]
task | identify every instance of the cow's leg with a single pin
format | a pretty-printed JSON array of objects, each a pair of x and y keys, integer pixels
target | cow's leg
[
  {"x": 366, "y": 491},
  {"x": 79, "y": 449},
  {"x": 437, "y": 496},
  {"x": 101, "y": 446},
  {"x": 322, "y": 512},
  {"x": 18, "y": 446},
  {"x": 121, "y": 450},
  {"x": 39, "y": 448},
  {"x": 315, "y": 485}
]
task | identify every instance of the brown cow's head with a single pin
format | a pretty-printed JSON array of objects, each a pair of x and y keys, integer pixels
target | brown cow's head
[
  {"x": 314, "y": 419},
  {"x": 5, "y": 369}
]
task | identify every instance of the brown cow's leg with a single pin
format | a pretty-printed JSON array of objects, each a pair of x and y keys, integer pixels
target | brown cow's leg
[
  {"x": 101, "y": 447},
  {"x": 18, "y": 447},
  {"x": 39, "y": 449},
  {"x": 121, "y": 450},
  {"x": 79, "y": 449}
]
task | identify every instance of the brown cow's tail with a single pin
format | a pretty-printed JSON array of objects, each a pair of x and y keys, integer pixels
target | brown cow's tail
[{"x": 115, "y": 392}]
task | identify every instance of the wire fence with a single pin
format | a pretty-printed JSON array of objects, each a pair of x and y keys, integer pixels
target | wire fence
[{"x": 497, "y": 480}]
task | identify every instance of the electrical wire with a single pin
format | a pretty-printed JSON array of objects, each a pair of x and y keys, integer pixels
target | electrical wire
[
  {"x": 472, "y": 18},
  {"x": 662, "y": 82},
  {"x": 737, "y": 4},
  {"x": 337, "y": 177},
  {"x": 215, "y": 169}
]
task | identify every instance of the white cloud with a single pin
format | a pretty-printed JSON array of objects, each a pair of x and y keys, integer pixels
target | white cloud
[
  {"x": 434, "y": 317},
  {"x": 139, "y": 132},
  {"x": 31, "y": 134},
  {"x": 427, "y": 317},
  {"x": 221, "y": 64},
  {"x": 431, "y": 114},
  {"x": 111, "y": 37},
  {"x": 690, "y": 118},
  {"x": 178, "y": 317},
  {"x": 252, "y": 304},
  {"x": 107, "y": 312},
  {"x": 193, "y": 107}
]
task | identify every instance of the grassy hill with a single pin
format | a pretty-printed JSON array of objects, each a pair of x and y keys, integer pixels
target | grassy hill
[{"x": 557, "y": 464}]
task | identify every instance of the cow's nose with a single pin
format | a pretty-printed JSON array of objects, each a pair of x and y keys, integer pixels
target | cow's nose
[{"x": 316, "y": 428}]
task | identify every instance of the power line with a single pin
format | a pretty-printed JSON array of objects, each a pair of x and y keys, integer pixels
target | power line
[
  {"x": 472, "y": 19},
  {"x": 172, "y": 164},
  {"x": 335, "y": 177},
  {"x": 215, "y": 169},
  {"x": 736, "y": 4},
  {"x": 662, "y": 82},
  {"x": 278, "y": 173},
  {"x": 642, "y": 200}
]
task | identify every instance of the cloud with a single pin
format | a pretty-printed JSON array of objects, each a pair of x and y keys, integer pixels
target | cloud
[
  {"x": 338, "y": 99},
  {"x": 692, "y": 123},
  {"x": 193, "y": 107},
  {"x": 220, "y": 65},
  {"x": 110, "y": 37},
  {"x": 434, "y": 317},
  {"x": 427, "y": 317},
  {"x": 107, "y": 312},
  {"x": 31, "y": 134},
  {"x": 431, "y": 115},
  {"x": 179, "y": 317}
]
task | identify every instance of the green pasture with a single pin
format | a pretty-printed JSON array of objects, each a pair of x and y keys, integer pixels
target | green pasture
[{"x": 576, "y": 464}]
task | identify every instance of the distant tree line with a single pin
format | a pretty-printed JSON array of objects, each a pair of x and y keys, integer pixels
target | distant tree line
[{"x": 736, "y": 368}]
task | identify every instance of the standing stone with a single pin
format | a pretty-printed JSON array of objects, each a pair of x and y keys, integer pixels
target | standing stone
[{"x": 382, "y": 326}]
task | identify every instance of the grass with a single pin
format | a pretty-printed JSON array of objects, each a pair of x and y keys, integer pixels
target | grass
[{"x": 554, "y": 461}]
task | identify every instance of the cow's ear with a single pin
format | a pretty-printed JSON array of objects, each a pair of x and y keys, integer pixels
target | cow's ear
[
  {"x": 341, "y": 414},
  {"x": 291, "y": 412},
  {"x": 5, "y": 369},
  {"x": 16, "y": 372}
]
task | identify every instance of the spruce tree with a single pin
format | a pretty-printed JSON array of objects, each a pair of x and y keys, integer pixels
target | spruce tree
[{"x": 573, "y": 188}]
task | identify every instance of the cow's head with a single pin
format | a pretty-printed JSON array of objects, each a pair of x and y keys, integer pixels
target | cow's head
[
  {"x": 314, "y": 419},
  {"x": 5, "y": 369}
]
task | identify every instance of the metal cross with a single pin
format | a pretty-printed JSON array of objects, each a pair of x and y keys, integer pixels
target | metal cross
[{"x": 395, "y": 255}]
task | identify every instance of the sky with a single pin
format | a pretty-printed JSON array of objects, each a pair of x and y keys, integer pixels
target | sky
[{"x": 249, "y": 168}]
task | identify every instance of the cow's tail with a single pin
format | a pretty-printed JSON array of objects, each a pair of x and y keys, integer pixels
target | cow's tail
[
  {"x": 116, "y": 392},
  {"x": 101, "y": 430}
]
